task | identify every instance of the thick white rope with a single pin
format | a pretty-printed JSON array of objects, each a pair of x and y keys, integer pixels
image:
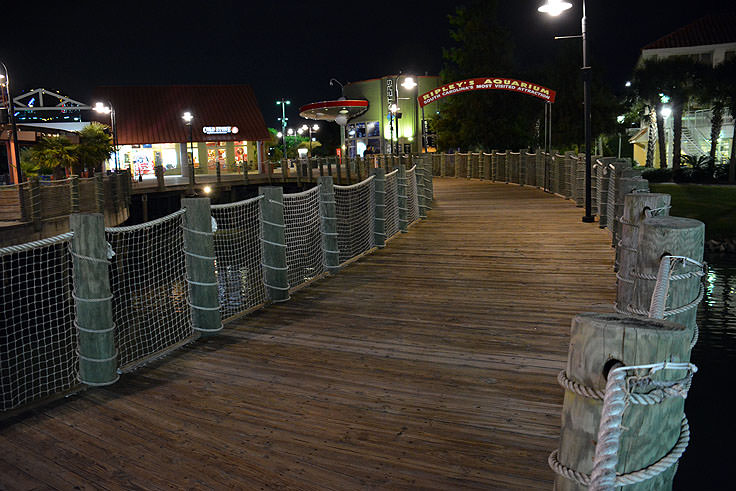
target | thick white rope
[
  {"x": 617, "y": 395},
  {"x": 605, "y": 460}
]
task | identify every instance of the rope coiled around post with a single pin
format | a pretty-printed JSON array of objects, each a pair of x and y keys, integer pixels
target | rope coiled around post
[{"x": 619, "y": 393}]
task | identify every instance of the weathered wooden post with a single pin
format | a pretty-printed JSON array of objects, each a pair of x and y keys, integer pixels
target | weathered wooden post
[
  {"x": 419, "y": 176},
  {"x": 636, "y": 208},
  {"x": 379, "y": 207},
  {"x": 623, "y": 186},
  {"x": 275, "y": 270},
  {"x": 597, "y": 342},
  {"x": 74, "y": 193},
  {"x": 321, "y": 162},
  {"x": 338, "y": 161},
  {"x": 428, "y": 184},
  {"x": 100, "y": 194},
  {"x": 98, "y": 361},
  {"x": 359, "y": 162},
  {"x": 159, "y": 172},
  {"x": 403, "y": 204},
  {"x": 199, "y": 248},
  {"x": 443, "y": 164},
  {"x": 669, "y": 236},
  {"x": 330, "y": 252},
  {"x": 34, "y": 201}
]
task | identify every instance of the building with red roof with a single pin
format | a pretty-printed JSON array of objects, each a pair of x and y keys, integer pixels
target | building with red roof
[{"x": 227, "y": 127}]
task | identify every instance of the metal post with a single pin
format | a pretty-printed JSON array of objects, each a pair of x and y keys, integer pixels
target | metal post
[
  {"x": 588, "y": 217},
  {"x": 191, "y": 158},
  {"x": 114, "y": 123},
  {"x": 13, "y": 127}
]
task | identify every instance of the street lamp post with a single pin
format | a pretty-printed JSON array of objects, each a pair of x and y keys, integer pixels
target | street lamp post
[
  {"x": 283, "y": 119},
  {"x": 109, "y": 109},
  {"x": 187, "y": 117},
  {"x": 5, "y": 80},
  {"x": 555, "y": 8},
  {"x": 308, "y": 128}
]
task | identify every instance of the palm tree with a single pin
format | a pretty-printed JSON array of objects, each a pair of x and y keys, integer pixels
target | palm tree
[
  {"x": 658, "y": 80},
  {"x": 53, "y": 152},
  {"x": 727, "y": 74},
  {"x": 95, "y": 146},
  {"x": 647, "y": 85}
]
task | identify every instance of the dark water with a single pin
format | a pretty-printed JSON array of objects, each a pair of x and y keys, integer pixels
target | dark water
[{"x": 711, "y": 405}]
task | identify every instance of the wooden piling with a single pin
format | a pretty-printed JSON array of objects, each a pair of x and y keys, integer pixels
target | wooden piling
[
  {"x": 674, "y": 236},
  {"x": 275, "y": 271},
  {"x": 596, "y": 342},
  {"x": 328, "y": 214},
  {"x": 199, "y": 248},
  {"x": 379, "y": 208},
  {"x": 98, "y": 360},
  {"x": 625, "y": 183},
  {"x": 636, "y": 206}
]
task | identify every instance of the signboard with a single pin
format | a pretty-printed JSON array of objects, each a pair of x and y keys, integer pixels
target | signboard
[
  {"x": 489, "y": 83},
  {"x": 219, "y": 130}
]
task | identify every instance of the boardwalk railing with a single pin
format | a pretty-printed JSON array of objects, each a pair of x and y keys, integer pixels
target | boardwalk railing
[
  {"x": 83, "y": 307},
  {"x": 628, "y": 373}
]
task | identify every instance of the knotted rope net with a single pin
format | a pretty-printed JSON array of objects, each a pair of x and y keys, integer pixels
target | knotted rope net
[
  {"x": 238, "y": 252},
  {"x": 302, "y": 219},
  {"x": 38, "y": 341},
  {"x": 412, "y": 198},
  {"x": 391, "y": 211},
  {"x": 355, "y": 225},
  {"x": 148, "y": 281}
]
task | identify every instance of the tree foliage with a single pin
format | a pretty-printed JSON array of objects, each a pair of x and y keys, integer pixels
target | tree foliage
[
  {"x": 481, "y": 119},
  {"x": 487, "y": 119},
  {"x": 52, "y": 153},
  {"x": 95, "y": 146}
]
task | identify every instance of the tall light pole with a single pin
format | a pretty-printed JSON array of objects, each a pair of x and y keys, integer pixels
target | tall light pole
[
  {"x": 5, "y": 80},
  {"x": 283, "y": 119},
  {"x": 187, "y": 117},
  {"x": 101, "y": 108},
  {"x": 555, "y": 8}
]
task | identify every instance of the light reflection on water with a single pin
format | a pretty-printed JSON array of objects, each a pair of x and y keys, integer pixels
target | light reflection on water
[{"x": 709, "y": 407}]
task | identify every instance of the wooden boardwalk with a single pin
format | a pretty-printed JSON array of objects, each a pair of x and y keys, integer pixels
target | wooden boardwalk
[{"x": 430, "y": 364}]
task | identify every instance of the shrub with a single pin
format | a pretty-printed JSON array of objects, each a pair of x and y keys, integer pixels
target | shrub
[{"x": 657, "y": 175}]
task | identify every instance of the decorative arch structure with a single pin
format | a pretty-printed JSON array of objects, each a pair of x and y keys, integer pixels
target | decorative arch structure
[{"x": 487, "y": 83}]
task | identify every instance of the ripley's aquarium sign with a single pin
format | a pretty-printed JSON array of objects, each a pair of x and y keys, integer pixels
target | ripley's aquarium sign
[{"x": 490, "y": 83}]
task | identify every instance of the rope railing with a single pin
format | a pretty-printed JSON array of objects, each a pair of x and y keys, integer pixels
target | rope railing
[{"x": 150, "y": 283}]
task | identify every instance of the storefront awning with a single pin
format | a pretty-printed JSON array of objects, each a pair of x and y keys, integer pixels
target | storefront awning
[{"x": 153, "y": 114}]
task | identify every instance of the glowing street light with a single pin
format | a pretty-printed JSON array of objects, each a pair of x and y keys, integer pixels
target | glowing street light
[
  {"x": 555, "y": 8},
  {"x": 310, "y": 129},
  {"x": 101, "y": 108}
]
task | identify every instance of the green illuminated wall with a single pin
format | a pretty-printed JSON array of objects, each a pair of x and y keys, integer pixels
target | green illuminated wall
[{"x": 378, "y": 94}]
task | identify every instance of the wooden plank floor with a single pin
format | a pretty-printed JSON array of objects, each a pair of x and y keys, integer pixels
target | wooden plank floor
[{"x": 429, "y": 364}]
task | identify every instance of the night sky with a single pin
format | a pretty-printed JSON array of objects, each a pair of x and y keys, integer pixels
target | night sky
[{"x": 292, "y": 49}]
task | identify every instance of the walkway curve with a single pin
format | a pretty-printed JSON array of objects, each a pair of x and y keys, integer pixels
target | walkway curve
[{"x": 429, "y": 364}]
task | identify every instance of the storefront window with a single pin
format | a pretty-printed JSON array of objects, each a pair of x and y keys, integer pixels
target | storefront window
[{"x": 373, "y": 128}]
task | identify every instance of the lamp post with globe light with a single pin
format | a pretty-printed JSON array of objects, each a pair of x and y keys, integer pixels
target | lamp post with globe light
[
  {"x": 307, "y": 128},
  {"x": 555, "y": 8}
]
